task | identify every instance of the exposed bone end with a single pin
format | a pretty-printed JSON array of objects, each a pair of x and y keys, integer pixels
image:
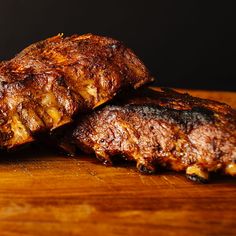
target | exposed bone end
[
  {"x": 146, "y": 168},
  {"x": 20, "y": 133},
  {"x": 103, "y": 157},
  {"x": 31, "y": 120},
  {"x": 54, "y": 114},
  {"x": 197, "y": 174},
  {"x": 230, "y": 169},
  {"x": 100, "y": 102}
]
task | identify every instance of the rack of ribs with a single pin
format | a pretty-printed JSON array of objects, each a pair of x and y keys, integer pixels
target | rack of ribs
[
  {"x": 162, "y": 130},
  {"x": 51, "y": 81}
]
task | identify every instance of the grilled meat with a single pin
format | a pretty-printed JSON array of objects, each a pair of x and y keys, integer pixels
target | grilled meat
[
  {"x": 163, "y": 129},
  {"x": 45, "y": 85}
]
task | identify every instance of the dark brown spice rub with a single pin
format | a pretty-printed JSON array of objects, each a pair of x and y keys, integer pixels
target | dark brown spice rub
[
  {"x": 49, "y": 82},
  {"x": 163, "y": 129}
]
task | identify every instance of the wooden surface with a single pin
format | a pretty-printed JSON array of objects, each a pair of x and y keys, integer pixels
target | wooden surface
[{"x": 45, "y": 193}]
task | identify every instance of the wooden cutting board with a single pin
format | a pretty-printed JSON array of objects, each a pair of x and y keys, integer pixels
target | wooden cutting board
[{"x": 45, "y": 193}]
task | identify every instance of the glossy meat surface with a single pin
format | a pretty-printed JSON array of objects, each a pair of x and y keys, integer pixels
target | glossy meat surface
[
  {"x": 49, "y": 82},
  {"x": 163, "y": 130}
]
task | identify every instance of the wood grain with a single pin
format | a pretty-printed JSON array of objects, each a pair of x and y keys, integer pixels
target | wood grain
[{"x": 45, "y": 193}]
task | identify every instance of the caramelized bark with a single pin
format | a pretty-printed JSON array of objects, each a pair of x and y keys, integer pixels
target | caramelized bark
[
  {"x": 49, "y": 82},
  {"x": 163, "y": 129}
]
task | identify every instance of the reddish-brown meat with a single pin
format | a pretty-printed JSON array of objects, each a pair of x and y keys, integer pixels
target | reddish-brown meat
[
  {"x": 163, "y": 129},
  {"x": 45, "y": 85}
]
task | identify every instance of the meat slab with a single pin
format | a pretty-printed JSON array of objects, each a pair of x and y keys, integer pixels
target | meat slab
[
  {"x": 51, "y": 81},
  {"x": 163, "y": 130}
]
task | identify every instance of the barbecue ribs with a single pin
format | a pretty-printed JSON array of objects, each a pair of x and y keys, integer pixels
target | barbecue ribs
[
  {"x": 45, "y": 85},
  {"x": 163, "y": 129}
]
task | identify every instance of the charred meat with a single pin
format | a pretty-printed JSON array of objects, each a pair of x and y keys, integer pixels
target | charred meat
[
  {"x": 163, "y": 129},
  {"x": 45, "y": 85}
]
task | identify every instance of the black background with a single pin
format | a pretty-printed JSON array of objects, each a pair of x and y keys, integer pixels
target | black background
[{"x": 183, "y": 43}]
